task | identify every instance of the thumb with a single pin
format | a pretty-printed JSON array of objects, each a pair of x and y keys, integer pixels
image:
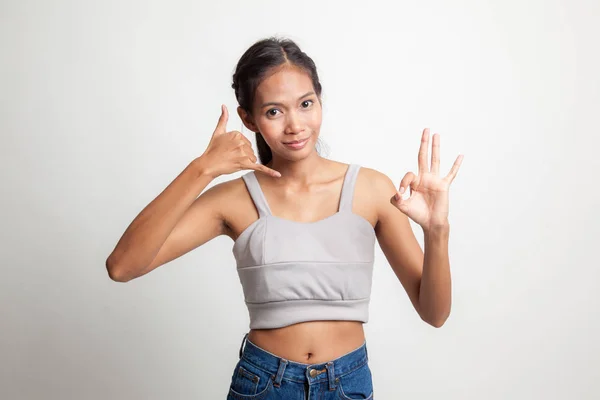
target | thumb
[
  {"x": 222, "y": 124},
  {"x": 399, "y": 202},
  {"x": 403, "y": 207}
]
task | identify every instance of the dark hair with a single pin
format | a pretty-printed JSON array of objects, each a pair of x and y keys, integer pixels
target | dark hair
[{"x": 254, "y": 65}]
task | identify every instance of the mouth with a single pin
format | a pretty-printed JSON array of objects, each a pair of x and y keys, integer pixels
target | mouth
[
  {"x": 296, "y": 144},
  {"x": 296, "y": 141}
]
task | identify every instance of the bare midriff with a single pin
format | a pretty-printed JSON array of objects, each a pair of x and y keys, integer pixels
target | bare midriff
[{"x": 310, "y": 342}]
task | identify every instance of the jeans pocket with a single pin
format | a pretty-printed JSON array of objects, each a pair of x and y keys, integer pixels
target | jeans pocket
[
  {"x": 249, "y": 382},
  {"x": 357, "y": 384}
]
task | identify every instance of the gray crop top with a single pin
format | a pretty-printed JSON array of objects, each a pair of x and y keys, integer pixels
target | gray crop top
[{"x": 304, "y": 271}]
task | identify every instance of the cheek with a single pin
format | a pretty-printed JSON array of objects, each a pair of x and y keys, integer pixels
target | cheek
[
  {"x": 270, "y": 128},
  {"x": 316, "y": 113},
  {"x": 270, "y": 131},
  {"x": 314, "y": 120}
]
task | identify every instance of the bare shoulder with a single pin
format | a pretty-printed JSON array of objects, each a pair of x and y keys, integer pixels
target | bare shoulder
[
  {"x": 235, "y": 205},
  {"x": 221, "y": 192},
  {"x": 376, "y": 184},
  {"x": 371, "y": 188},
  {"x": 379, "y": 189},
  {"x": 227, "y": 193},
  {"x": 377, "y": 178},
  {"x": 227, "y": 188}
]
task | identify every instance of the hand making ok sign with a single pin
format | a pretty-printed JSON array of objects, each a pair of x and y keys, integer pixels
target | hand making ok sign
[{"x": 428, "y": 201}]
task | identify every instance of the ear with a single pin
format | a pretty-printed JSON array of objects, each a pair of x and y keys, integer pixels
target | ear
[{"x": 247, "y": 119}]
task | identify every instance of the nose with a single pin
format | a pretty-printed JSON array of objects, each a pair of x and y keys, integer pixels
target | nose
[{"x": 294, "y": 123}]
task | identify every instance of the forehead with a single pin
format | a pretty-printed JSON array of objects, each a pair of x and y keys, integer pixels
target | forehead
[{"x": 286, "y": 84}]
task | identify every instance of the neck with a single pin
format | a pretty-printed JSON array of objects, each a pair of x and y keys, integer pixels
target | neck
[{"x": 300, "y": 172}]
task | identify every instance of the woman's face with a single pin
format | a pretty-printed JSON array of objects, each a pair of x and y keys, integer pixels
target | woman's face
[{"x": 287, "y": 109}]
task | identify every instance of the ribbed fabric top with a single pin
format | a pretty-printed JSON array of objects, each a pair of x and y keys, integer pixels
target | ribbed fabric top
[{"x": 294, "y": 271}]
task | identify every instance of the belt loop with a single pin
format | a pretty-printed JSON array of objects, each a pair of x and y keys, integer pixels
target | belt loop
[
  {"x": 243, "y": 341},
  {"x": 366, "y": 351},
  {"x": 331, "y": 375},
  {"x": 282, "y": 364}
]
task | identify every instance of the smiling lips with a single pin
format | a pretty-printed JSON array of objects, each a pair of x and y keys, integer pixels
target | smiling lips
[
  {"x": 297, "y": 144},
  {"x": 295, "y": 141}
]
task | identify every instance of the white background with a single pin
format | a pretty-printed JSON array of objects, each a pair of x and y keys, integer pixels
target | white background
[{"x": 104, "y": 103}]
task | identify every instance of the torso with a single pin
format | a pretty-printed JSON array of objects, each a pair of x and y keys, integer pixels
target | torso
[{"x": 313, "y": 341}]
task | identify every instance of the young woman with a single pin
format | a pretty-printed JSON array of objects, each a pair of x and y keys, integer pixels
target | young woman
[{"x": 304, "y": 229}]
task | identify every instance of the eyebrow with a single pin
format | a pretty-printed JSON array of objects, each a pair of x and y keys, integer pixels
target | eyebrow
[{"x": 272, "y": 103}]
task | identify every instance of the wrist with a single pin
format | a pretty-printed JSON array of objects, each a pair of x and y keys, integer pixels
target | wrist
[
  {"x": 202, "y": 168},
  {"x": 437, "y": 229}
]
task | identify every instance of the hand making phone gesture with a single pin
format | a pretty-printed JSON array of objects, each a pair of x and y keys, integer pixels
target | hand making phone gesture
[
  {"x": 229, "y": 152},
  {"x": 428, "y": 201}
]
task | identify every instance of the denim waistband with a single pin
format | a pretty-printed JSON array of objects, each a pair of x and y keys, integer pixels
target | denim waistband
[{"x": 282, "y": 368}]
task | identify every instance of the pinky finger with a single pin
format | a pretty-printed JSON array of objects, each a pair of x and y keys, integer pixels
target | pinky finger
[
  {"x": 271, "y": 172},
  {"x": 266, "y": 170}
]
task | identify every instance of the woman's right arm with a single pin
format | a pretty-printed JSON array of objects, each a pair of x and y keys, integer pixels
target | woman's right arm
[
  {"x": 137, "y": 252},
  {"x": 177, "y": 220}
]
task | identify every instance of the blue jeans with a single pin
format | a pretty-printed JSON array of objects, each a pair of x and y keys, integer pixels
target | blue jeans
[{"x": 263, "y": 375}]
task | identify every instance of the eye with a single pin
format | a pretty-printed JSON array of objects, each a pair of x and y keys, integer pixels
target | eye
[
  {"x": 269, "y": 114},
  {"x": 307, "y": 101}
]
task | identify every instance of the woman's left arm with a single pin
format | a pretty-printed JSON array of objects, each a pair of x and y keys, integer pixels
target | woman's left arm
[
  {"x": 424, "y": 275},
  {"x": 435, "y": 295}
]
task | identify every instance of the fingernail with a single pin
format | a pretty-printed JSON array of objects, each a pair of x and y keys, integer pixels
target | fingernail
[{"x": 401, "y": 189}]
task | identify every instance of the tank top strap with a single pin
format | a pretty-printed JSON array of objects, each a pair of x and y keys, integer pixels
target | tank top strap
[
  {"x": 258, "y": 197},
  {"x": 348, "y": 187}
]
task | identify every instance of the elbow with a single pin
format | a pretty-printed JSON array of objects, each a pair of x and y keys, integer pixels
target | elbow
[
  {"x": 115, "y": 272},
  {"x": 436, "y": 322}
]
